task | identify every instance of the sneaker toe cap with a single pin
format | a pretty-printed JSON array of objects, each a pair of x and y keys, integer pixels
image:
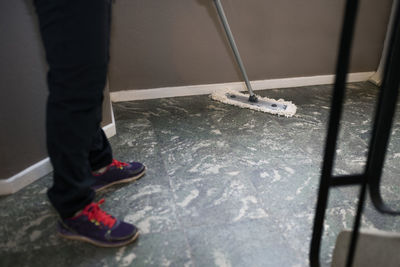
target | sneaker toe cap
[
  {"x": 136, "y": 167},
  {"x": 123, "y": 231}
]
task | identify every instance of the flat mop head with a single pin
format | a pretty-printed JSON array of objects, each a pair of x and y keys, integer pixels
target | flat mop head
[{"x": 264, "y": 104}]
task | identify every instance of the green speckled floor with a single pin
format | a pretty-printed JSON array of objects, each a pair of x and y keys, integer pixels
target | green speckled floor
[{"x": 225, "y": 186}]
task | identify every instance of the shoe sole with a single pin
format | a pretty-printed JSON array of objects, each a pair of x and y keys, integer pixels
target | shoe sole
[
  {"x": 124, "y": 181},
  {"x": 100, "y": 244}
]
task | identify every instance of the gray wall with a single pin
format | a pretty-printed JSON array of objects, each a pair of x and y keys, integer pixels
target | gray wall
[
  {"x": 179, "y": 42},
  {"x": 23, "y": 89}
]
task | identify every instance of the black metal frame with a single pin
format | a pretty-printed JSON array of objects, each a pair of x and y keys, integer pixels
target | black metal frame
[{"x": 385, "y": 110}]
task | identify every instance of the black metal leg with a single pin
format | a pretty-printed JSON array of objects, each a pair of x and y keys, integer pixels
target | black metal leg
[
  {"x": 333, "y": 128},
  {"x": 384, "y": 117},
  {"x": 379, "y": 141},
  {"x": 357, "y": 224}
]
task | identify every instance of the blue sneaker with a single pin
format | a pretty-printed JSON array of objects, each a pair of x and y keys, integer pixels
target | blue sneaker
[
  {"x": 95, "y": 226},
  {"x": 118, "y": 173}
]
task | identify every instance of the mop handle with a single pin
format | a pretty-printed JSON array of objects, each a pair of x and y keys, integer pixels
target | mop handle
[{"x": 229, "y": 34}]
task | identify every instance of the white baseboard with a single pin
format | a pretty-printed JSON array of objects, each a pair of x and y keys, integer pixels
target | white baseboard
[
  {"x": 376, "y": 78},
  {"x": 31, "y": 174},
  {"x": 141, "y": 94},
  {"x": 110, "y": 129},
  {"x": 26, "y": 177}
]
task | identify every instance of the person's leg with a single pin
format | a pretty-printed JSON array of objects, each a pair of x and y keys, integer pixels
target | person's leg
[
  {"x": 106, "y": 170},
  {"x": 100, "y": 154},
  {"x": 76, "y": 43},
  {"x": 76, "y": 49}
]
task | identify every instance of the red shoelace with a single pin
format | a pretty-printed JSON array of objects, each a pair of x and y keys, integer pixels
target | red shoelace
[
  {"x": 118, "y": 164},
  {"x": 97, "y": 215}
]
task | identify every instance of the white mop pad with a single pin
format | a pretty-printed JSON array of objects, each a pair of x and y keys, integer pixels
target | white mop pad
[{"x": 264, "y": 104}]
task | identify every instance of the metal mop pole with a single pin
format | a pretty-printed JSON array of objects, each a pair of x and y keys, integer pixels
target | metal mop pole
[{"x": 229, "y": 34}]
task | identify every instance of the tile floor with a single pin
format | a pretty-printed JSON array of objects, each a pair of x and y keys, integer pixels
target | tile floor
[{"x": 225, "y": 186}]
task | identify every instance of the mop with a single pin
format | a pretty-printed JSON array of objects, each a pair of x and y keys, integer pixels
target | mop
[{"x": 251, "y": 101}]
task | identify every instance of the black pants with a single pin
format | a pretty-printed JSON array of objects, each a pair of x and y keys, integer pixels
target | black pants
[{"x": 75, "y": 34}]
